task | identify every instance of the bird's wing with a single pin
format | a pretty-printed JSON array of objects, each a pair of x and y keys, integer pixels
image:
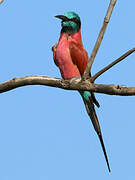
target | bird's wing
[
  {"x": 79, "y": 56},
  {"x": 54, "y": 53}
]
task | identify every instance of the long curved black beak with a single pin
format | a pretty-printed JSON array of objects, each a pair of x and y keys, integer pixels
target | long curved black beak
[{"x": 63, "y": 18}]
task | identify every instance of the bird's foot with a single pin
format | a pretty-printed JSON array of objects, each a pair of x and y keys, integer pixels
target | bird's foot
[
  {"x": 120, "y": 86},
  {"x": 75, "y": 79}
]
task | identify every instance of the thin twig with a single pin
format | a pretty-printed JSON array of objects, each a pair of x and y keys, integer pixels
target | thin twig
[
  {"x": 93, "y": 78},
  {"x": 66, "y": 84},
  {"x": 99, "y": 39}
]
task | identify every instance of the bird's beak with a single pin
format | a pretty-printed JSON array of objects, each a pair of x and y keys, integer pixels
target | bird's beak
[{"x": 63, "y": 18}]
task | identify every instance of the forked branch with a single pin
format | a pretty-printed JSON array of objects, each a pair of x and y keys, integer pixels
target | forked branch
[
  {"x": 99, "y": 39},
  {"x": 93, "y": 78}
]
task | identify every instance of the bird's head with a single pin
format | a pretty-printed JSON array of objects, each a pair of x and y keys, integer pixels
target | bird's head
[{"x": 70, "y": 23}]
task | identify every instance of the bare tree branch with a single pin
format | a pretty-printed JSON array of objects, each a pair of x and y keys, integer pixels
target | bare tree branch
[
  {"x": 93, "y": 78},
  {"x": 99, "y": 39},
  {"x": 66, "y": 84}
]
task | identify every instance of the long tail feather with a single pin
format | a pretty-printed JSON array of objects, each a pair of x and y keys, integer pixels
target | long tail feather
[
  {"x": 94, "y": 100},
  {"x": 92, "y": 114},
  {"x": 104, "y": 150}
]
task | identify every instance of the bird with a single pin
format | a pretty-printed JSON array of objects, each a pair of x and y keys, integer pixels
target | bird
[{"x": 71, "y": 58}]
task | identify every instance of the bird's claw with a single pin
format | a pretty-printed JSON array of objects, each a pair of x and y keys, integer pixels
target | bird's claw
[
  {"x": 120, "y": 86},
  {"x": 75, "y": 79}
]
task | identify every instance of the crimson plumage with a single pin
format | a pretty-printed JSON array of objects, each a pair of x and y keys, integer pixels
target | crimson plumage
[{"x": 70, "y": 56}]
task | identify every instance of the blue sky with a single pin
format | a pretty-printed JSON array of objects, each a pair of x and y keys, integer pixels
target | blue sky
[{"x": 45, "y": 133}]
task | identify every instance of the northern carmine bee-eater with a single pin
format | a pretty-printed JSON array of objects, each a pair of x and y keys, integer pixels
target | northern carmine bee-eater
[{"x": 71, "y": 58}]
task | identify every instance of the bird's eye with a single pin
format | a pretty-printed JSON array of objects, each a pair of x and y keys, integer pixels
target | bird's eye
[{"x": 74, "y": 19}]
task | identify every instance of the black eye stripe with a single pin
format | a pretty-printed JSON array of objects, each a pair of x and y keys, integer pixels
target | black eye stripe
[{"x": 73, "y": 19}]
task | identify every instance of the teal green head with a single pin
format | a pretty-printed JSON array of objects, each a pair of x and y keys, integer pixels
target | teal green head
[{"x": 70, "y": 23}]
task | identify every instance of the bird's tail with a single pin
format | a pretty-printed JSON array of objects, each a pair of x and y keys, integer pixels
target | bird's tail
[{"x": 89, "y": 104}]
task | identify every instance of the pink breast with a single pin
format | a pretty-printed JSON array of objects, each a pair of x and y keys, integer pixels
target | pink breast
[{"x": 67, "y": 68}]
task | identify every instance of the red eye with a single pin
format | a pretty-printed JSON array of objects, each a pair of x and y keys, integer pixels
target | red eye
[{"x": 74, "y": 19}]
